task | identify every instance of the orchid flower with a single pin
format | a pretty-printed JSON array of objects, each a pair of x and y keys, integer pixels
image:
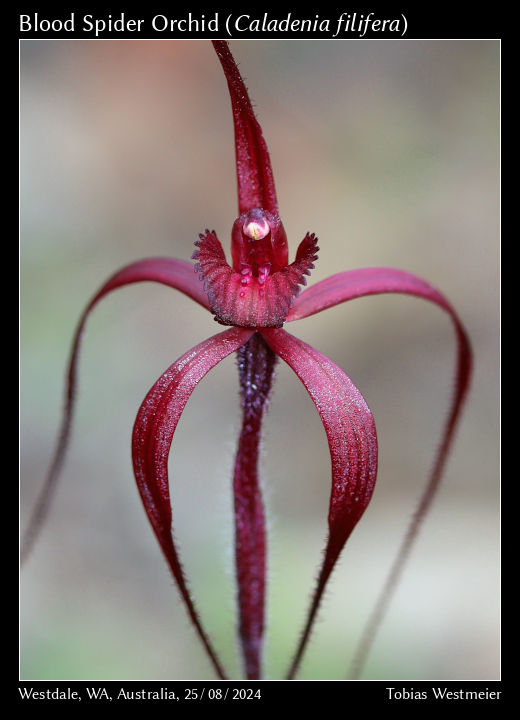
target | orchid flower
[{"x": 254, "y": 295}]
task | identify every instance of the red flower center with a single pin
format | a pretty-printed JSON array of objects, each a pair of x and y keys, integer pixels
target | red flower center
[
  {"x": 259, "y": 289},
  {"x": 258, "y": 244}
]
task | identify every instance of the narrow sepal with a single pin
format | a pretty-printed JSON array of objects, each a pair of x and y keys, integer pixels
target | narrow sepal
[
  {"x": 247, "y": 301},
  {"x": 254, "y": 174},
  {"x": 177, "y": 274},
  {"x": 151, "y": 441},
  {"x": 352, "y": 439}
]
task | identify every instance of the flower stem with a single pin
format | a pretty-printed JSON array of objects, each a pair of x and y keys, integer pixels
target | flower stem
[{"x": 256, "y": 363}]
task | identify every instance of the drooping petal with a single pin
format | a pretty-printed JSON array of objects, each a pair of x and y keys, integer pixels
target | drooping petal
[
  {"x": 151, "y": 441},
  {"x": 351, "y": 434},
  {"x": 373, "y": 281},
  {"x": 254, "y": 174},
  {"x": 177, "y": 274},
  {"x": 244, "y": 300},
  {"x": 351, "y": 284}
]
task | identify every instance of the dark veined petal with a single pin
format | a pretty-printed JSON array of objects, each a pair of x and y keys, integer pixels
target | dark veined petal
[
  {"x": 247, "y": 301},
  {"x": 152, "y": 437},
  {"x": 177, "y": 274},
  {"x": 351, "y": 434},
  {"x": 254, "y": 174},
  {"x": 373, "y": 281}
]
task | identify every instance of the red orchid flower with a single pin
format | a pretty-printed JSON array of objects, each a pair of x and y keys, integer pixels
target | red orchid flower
[{"x": 255, "y": 296}]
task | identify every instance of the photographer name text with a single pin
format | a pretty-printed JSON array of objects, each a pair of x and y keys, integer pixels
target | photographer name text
[{"x": 441, "y": 693}]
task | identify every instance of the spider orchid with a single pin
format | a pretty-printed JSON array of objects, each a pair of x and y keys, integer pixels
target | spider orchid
[{"x": 255, "y": 296}]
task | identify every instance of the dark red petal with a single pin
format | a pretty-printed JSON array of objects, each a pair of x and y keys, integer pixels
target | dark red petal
[
  {"x": 177, "y": 274},
  {"x": 351, "y": 434},
  {"x": 245, "y": 302},
  {"x": 373, "y": 281},
  {"x": 254, "y": 174},
  {"x": 151, "y": 441},
  {"x": 351, "y": 284}
]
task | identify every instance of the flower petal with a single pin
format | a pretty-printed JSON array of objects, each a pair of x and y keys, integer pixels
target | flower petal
[
  {"x": 177, "y": 274},
  {"x": 372, "y": 281},
  {"x": 351, "y": 434},
  {"x": 152, "y": 437},
  {"x": 254, "y": 174},
  {"x": 251, "y": 301},
  {"x": 358, "y": 283}
]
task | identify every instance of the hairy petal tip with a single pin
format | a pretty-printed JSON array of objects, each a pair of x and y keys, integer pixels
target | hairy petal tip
[
  {"x": 154, "y": 428},
  {"x": 352, "y": 439}
]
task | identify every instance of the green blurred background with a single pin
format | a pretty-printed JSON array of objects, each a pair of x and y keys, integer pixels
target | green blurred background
[{"x": 389, "y": 152}]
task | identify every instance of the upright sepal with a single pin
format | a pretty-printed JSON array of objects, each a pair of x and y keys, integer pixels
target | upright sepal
[{"x": 254, "y": 174}]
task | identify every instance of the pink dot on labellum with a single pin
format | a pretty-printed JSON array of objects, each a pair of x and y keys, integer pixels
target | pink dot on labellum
[{"x": 255, "y": 225}]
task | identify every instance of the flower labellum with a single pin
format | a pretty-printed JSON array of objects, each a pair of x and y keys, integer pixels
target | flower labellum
[{"x": 254, "y": 296}]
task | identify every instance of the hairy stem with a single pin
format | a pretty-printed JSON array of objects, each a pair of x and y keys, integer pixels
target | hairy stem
[{"x": 256, "y": 363}]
